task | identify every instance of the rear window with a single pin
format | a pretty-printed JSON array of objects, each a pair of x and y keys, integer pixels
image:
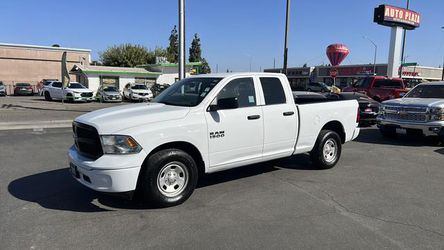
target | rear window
[
  {"x": 23, "y": 84},
  {"x": 273, "y": 91},
  {"x": 362, "y": 83},
  {"x": 387, "y": 83},
  {"x": 57, "y": 84}
]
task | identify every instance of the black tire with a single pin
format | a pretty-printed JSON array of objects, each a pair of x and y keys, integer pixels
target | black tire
[
  {"x": 151, "y": 178},
  {"x": 387, "y": 132},
  {"x": 329, "y": 160},
  {"x": 47, "y": 96}
]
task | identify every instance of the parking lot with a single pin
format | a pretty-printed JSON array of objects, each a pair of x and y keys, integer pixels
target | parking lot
[{"x": 382, "y": 194}]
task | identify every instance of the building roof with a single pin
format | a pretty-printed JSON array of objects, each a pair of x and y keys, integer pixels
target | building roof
[
  {"x": 13, "y": 45},
  {"x": 106, "y": 70}
]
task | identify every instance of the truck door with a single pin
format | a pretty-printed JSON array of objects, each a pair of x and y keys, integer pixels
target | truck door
[
  {"x": 280, "y": 119},
  {"x": 235, "y": 133}
]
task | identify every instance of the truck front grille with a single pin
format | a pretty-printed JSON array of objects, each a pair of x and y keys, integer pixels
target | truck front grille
[
  {"x": 87, "y": 140},
  {"x": 415, "y": 114}
]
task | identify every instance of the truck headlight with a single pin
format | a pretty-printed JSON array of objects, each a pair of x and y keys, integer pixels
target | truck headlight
[
  {"x": 437, "y": 114},
  {"x": 119, "y": 144}
]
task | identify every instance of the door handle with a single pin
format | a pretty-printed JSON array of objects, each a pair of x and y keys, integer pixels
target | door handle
[
  {"x": 253, "y": 117},
  {"x": 288, "y": 113}
]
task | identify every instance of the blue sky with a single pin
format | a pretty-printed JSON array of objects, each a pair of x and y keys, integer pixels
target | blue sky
[{"x": 232, "y": 32}]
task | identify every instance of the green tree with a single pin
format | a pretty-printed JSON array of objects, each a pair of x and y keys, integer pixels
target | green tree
[
  {"x": 205, "y": 68},
  {"x": 125, "y": 55},
  {"x": 195, "y": 50},
  {"x": 173, "y": 47}
]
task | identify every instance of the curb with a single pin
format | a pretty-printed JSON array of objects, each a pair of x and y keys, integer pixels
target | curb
[{"x": 35, "y": 124}]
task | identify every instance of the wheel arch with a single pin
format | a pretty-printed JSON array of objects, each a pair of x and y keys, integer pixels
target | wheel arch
[
  {"x": 187, "y": 147},
  {"x": 337, "y": 127}
]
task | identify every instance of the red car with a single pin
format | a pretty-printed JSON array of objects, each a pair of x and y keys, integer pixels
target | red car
[{"x": 379, "y": 88}]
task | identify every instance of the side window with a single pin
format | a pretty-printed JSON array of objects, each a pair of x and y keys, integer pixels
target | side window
[
  {"x": 57, "y": 84},
  {"x": 378, "y": 84},
  {"x": 242, "y": 89},
  {"x": 273, "y": 91}
]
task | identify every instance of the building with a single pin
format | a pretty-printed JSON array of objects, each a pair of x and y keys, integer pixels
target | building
[
  {"x": 348, "y": 74},
  {"x": 32, "y": 63}
]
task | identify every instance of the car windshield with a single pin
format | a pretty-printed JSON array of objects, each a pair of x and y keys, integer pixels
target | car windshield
[
  {"x": 23, "y": 84},
  {"x": 110, "y": 89},
  {"x": 139, "y": 86},
  {"x": 76, "y": 86},
  {"x": 427, "y": 91},
  {"x": 187, "y": 92}
]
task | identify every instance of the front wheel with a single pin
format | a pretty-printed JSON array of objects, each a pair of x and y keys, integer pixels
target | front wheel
[
  {"x": 47, "y": 96},
  {"x": 169, "y": 178},
  {"x": 327, "y": 150}
]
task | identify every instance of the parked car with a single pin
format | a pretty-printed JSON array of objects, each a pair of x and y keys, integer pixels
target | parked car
[
  {"x": 368, "y": 108},
  {"x": 2, "y": 89},
  {"x": 44, "y": 83},
  {"x": 317, "y": 87},
  {"x": 23, "y": 89},
  {"x": 109, "y": 94},
  {"x": 137, "y": 92},
  {"x": 204, "y": 124},
  {"x": 74, "y": 92},
  {"x": 379, "y": 88},
  {"x": 158, "y": 88},
  {"x": 420, "y": 111}
]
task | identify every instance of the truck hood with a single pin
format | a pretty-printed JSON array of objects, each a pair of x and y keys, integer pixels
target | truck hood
[
  {"x": 112, "y": 120},
  {"x": 424, "y": 102}
]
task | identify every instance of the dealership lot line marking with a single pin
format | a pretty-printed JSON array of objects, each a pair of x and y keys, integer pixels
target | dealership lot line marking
[{"x": 35, "y": 124}]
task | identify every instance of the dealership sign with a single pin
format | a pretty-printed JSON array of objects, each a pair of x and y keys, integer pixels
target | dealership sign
[{"x": 394, "y": 16}]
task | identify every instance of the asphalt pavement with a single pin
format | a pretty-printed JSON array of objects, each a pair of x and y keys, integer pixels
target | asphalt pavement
[{"x": 382, "y": 194}]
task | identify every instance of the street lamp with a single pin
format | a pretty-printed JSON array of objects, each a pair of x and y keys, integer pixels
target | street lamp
[
  {"x": 374, "y": 57},
  {"x": 287, "y": 20}
]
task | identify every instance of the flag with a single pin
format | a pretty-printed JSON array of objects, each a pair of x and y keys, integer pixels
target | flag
[{"x": 65, "y": 73}]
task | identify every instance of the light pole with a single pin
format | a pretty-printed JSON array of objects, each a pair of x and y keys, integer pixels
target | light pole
[
  {"x": 403, "y": 45},
  {"x": 287, "y": 20},
  {"x": 374, "y": 57},
  {"x": 181, "y": 39},
  {"x": 442, "y": 77}
]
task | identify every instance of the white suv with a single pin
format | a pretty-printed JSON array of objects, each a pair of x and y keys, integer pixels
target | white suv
[
  {"x": 137, "y": 92},
  {"x": 74, "y": 92}
]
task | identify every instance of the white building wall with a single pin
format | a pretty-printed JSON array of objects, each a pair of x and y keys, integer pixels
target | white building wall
[
  {"x": 94, "y": 83},
  {"x": 169, "y": 78},
  {"x": 123, "y": 80}
]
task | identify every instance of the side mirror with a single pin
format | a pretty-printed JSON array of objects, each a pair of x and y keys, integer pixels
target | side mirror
[{"x": 226, "y": 103}]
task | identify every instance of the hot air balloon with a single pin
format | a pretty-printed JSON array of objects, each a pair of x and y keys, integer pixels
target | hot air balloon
[{"x": 337, "y": 53}]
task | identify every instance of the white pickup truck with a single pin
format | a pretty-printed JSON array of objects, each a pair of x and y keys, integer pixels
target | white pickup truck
[{"x": 204, "y": 124}]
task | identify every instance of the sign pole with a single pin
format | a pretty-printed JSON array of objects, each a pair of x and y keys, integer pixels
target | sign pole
[
  {"x": 287, "y": 20},
  {"x": 181, "y": 39}
]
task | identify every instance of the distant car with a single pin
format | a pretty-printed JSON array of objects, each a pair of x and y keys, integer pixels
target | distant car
[
  {"x": 317, "y": 87},
  {"x": 109, "y": 94},
  {"x": 23, "y": 89},
  {"x": 379, "y": 88},
  {"x": 368, "y": 108},
  {"x": 44, "y": 83},
  {"x": 2, "y": 89},
  {"x": 137, "y": 92},
  {"x": 74, "y": 92}
]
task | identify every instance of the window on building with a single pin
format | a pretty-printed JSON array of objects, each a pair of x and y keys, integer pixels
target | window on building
[
  {"x": 109, "y": 81},
  {"x": 273, "y": 91}
]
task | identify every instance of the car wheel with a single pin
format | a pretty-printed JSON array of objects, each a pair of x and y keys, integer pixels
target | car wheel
[
  {"x": 47, "y": 96},
  {"x": 387, "y": 132},
  {"x": 169, "y": 178},
  {"x": 327, "y": 150}
]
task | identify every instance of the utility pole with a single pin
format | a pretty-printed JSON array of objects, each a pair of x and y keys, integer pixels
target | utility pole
[
  {"x": 181, "y": 39},
  {"x": 403, "y": 45},
  {"x": 287, "y": 20}
]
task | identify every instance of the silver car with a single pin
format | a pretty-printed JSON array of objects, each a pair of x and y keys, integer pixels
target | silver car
[{"x": 109, "y": 94}]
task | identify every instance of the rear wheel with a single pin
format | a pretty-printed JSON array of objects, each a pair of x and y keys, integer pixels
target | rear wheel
[
  {"x": 169, "y": 178},
  {"x": 327, "y": 150},
  {"x": 47, "y": 96}
]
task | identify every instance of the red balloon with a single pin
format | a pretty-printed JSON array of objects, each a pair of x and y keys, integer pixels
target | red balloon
[{"x": 337, "y": 53}]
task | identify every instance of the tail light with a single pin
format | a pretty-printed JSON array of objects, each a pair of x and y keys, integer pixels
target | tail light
[{"x": 358, "y": 116}]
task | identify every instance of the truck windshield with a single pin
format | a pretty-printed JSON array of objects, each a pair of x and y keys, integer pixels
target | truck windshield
[
  {"x": 427, "y": 91},
  {"x": 187, "y": 92}
]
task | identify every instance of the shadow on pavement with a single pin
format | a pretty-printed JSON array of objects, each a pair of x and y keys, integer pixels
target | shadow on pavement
[
  {"x": 8, "y": 106},
  {"x": 373, "y": 136},
  {"x": 59, "y": 191}
]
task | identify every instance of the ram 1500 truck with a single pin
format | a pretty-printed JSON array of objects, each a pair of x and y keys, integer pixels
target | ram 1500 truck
[
  {"x": 204, "y": 124},
  {"x": 421, "y": 111}
]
